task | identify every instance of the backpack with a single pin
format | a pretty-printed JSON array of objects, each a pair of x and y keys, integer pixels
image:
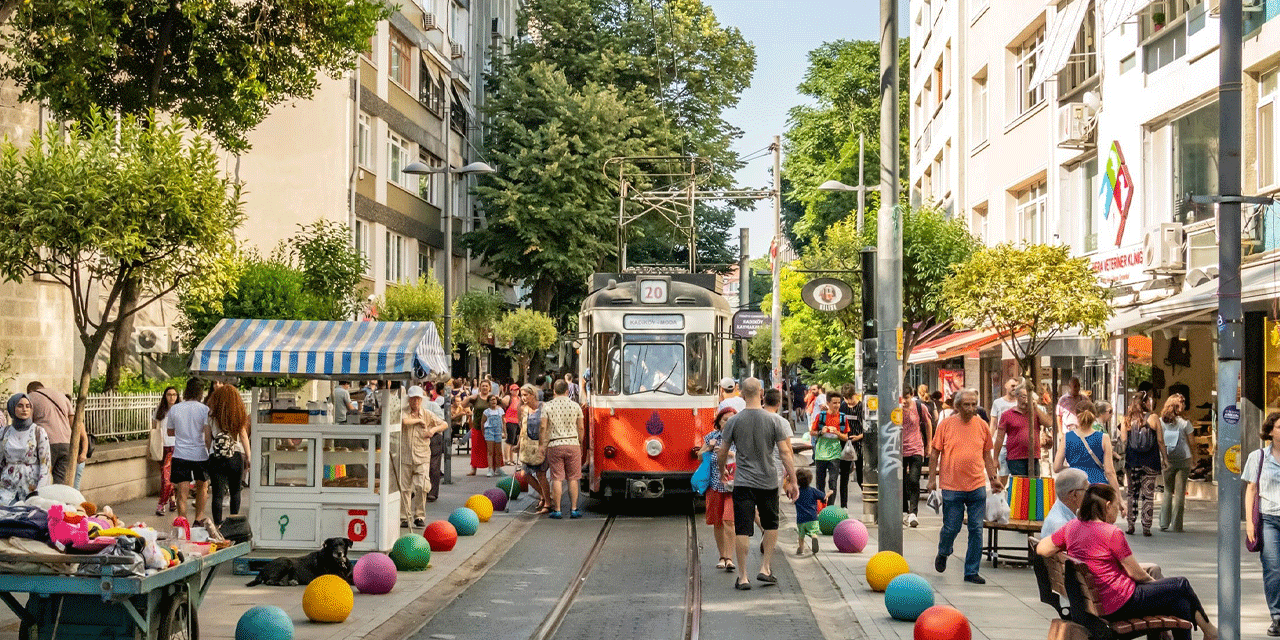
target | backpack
[{"x": 1143, "y": 438}]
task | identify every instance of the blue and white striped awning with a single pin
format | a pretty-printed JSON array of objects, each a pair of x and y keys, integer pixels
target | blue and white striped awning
[{"x": 318, "y": 349}]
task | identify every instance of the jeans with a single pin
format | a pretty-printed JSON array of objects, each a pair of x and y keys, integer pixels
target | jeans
[
  {"x": 828, "y": 474},
  {"x": 79, "y": 475},
  {"x": 911, "y": 468},
  {"x": 225, "y": 475},
  {"x": 435, "y": 471},
  {"x": 846, "y": 466},
  {"x": 1175, "y": 491},
  {"x": 1017, "y": 467},
  {"x": 59, "y": 459},
  {"x": 1169, "y": 596},
  {"x": 954, "y": 505},
  {"x": 1271, "y": 562}
]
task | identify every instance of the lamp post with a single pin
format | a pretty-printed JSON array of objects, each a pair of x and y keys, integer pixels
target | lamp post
[{"x": 861, "y": 189}]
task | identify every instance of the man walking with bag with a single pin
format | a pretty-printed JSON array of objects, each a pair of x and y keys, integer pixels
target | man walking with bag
[{"x": 962, "y": 465}]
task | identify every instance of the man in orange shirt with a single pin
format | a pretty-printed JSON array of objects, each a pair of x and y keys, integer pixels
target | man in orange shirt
[{"x": 961, "y": 454}]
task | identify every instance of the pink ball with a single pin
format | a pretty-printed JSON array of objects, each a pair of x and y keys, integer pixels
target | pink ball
[
  {"x": 375, "y": 573},
  {"x": 498, "y": 497},
  {"x": 850, "y": 536}
]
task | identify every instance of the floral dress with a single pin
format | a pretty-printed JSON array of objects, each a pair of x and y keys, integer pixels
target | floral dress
[{"x": 24, "y": 465}]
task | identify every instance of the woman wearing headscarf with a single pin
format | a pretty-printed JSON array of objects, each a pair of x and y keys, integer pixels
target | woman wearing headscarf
[{"x": 24, "y": 453}]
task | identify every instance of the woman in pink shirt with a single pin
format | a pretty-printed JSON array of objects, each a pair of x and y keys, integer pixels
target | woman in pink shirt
[{"x": 1124, "y": 589}]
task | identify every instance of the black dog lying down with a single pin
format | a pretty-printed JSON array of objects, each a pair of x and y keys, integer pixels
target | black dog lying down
[{"x": 290, "y": 572}]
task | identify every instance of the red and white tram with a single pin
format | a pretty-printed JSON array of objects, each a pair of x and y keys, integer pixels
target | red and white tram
[{"x": 652, "y": 354}]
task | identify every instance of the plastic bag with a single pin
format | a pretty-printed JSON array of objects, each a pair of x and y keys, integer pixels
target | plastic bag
[
  {"x": 997, "y": 507},
  {"x": 934, "y": 501},
  {"x": 702, "y": 477}
]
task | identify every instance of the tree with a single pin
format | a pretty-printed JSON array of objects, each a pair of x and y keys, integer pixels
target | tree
[
  {"x": 332, "y": 269},
  {"x": 475, "y": 313},
  {"x": 1028, "y": 294},
  {"x": 113, "y": 201},
  {"x": 422, "y": 301},
  {"x": 530, "y": 333},
  {"x": 219, "y": 65}
]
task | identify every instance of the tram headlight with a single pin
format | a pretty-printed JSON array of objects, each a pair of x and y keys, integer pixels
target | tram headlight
[
  {"x": 653, "y": 447},
  {"x": 610, "y": 451}
]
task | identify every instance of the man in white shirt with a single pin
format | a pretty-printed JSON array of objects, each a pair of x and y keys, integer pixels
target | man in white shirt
[
  {"x": 999, "y": 406},
  {"x": 729, "y": 396},
  {"x": 1069, "y": 485},
  {"x": 188, "y": 423}
]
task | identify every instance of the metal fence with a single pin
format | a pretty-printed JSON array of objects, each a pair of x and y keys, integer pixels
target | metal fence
[{"x": 117, "y": 416}]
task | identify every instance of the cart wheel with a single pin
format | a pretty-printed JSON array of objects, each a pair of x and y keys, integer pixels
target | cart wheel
[{"x": 179, "y": 621}]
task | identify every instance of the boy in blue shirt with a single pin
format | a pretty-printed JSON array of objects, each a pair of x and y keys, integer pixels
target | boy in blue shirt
[{"x": 807, "y": 510}]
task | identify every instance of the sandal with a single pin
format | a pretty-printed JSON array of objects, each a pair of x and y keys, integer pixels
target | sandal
[
  {"x": 729, "y": 566},
  {"x": 720, "y": 565},
  {"x": 543, "y": 510}
]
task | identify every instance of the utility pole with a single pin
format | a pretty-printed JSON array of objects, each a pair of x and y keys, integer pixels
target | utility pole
[
  {"x": 1230, "y": 321},
  {"x": 862, "y": 204},
  {"x": 889, "y": 280},
  {"x": 744, "y": 287},
  {"x": 775, "y": 352},
  {"x": 870, "y": 399}
]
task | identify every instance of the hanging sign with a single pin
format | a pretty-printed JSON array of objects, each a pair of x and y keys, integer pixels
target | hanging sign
[
  {"x": 827, "y": 294},
  {"x": 746, "y": 324}
]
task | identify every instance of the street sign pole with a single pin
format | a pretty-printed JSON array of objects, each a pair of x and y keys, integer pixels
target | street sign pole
[
  {"x": 889, "y": 279},
  {"x": 775, "y": 349}
]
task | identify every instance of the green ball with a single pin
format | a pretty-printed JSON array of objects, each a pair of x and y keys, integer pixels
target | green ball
[
  {"x": 411, "y": 552},
  {"x": 830, "y": 517},
  {"x": 510, "y": 486}
]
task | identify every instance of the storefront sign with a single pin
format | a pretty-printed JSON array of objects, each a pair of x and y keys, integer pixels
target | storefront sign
[
  {"x": 1120, "y": 265},
  {"x": 746, "y": 324},
  {"x": 827, "y": 294},
  {"x": 1117, "y": 188}
]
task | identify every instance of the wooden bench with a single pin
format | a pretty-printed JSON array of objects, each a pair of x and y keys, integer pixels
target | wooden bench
[
  {"x": 1009, "y": 554},
  {"x": 1060, "y": 577}
]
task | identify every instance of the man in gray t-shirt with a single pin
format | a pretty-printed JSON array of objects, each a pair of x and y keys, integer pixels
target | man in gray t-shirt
[
  {"x": 754, "y": 434},
  {"x": 342, "y": 402}
]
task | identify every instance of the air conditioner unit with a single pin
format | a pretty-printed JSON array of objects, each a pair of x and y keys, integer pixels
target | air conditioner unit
[
  {"x": 1162, "y": 248},
  {"x": 1074, "y": 124},
  {"x": 1253, "y": 6},
  {"x": 455, "y": 50},
  {"x": 429, "y": 22},
  {"x": 151, "y": 339}
]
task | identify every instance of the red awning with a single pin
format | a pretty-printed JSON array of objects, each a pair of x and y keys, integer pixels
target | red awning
[{"x": 954, "y": 345}]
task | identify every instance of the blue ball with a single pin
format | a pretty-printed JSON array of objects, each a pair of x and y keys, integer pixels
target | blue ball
[
  {"x": 465, "y": 521},
  {"x": 908, "y": 596},
  {"x": 264, "y": 622}
]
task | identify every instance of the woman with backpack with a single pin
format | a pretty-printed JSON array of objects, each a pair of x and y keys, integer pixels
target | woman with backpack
[
  {"x": 1143, "y": 461},
  {"x": 1176, "y": 432}
]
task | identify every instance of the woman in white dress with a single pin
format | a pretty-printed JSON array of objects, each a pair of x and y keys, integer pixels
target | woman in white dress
[{"x": 24, "y": 453}]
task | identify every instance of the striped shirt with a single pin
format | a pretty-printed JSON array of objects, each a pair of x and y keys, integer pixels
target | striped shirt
[{"x": 1269, "y": 488}]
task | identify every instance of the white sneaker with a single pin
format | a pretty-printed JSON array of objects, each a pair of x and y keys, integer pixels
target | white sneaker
[
  {"x": 911, "y": 520},
  {"x": 905, "y": 519},
  {"x": 488, "y": 473}
]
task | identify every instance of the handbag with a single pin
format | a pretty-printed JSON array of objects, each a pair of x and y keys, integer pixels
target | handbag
[
  {"x": 223, "y": 446},
  {"x": 702, "y": 476},
  {"x": 1256, "y": 523},
  {"x": 155, "y": 441}
]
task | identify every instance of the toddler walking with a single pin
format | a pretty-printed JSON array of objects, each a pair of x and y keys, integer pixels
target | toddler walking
[{"x": 807, "y": 510}]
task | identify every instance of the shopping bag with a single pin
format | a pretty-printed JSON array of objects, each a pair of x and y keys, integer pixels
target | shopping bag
[
  {"x": 934, "y": 501},
  {"x": 155, "y": 441},
  {"x": 702, "y": 477},
  {"x": 997, "y": 507}
]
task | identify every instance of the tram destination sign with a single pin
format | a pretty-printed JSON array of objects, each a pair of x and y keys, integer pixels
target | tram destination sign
[
  {"x": 827, "y": 294},
  {"x": 746, "y": 324},
  {"x": 650, "y": 322}
]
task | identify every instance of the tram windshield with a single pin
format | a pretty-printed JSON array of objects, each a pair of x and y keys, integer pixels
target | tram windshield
[{"x": 653, "y": 368}]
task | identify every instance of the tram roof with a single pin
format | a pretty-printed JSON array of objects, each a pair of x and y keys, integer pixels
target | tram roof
[{"x": 625, "y": 294}]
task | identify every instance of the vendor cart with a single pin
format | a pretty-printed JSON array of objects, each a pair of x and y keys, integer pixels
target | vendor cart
[{"x": 66, "y": 605}]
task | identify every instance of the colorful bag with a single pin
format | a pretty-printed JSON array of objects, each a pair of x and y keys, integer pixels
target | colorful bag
[
  {"x": 702, "y": 477},
  {"x": 1030, "y": 498}
]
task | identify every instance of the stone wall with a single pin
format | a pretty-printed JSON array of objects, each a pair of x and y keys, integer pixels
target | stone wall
[
  {"x": 36, "y": 323},
  {"x": 120, "y": 472}
]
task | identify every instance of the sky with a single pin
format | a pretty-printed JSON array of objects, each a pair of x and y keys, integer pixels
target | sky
[{"x": 783, "y": 32}]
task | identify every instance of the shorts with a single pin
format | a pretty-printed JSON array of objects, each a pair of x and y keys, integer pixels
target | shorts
[
  {"x": 565, "y": 462},
  {"x": 188, "y": 471},
  {"x": 536, "y": 468},
  {"x": 748, "y": 500},
  {"x": 719, "y": 506},
  {"x": 513, "y": 433},
  {"x": 493, "y": 434},
  {"x": 809, "y": 528}
]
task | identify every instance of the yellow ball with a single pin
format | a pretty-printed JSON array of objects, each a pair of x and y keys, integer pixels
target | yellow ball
[
  {"x": 883, "y": 568},
  {"x": 328, "y": 599},
  {"x": 482, "y": 505}
]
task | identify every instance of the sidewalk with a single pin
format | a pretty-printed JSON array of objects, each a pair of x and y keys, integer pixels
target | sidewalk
[{"x": 228, "y": 598}]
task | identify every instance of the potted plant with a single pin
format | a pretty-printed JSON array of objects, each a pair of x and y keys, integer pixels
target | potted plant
[{"x": 1157, "y": 20}]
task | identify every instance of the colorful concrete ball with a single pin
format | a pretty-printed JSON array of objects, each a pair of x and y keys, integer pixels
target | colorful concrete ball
[
  {"x": 498, "y": 497},
  {"x": 375, "y": 573},
  {"x": 511, "y": 487},
  {"x": 264, "y": 622},
  {"x": 411, "y": 552},
  {"x": 829, "y": 517},
  {"x": 522, "y": 477},
  {"x": 481, "y": 505},
  {"x": 908, "y": 596},
  {"x": 441, "y": 535},
  {"x": 328, "y": 599},
  {"x": 883, "y": 567},
  {"x": 942, "y": 623},
  {"x": 465, "y": 521},
  {"x": 850, "y": 536}
]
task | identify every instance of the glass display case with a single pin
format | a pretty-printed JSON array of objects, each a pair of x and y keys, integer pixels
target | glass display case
[{"x": 286, "y": 462}]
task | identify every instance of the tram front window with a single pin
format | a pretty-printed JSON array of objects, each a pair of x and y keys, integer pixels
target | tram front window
[{"x": 653, "y": 368}]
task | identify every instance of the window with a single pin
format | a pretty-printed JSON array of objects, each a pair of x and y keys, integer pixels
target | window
[
  {"x": 1088, "y": 183},
  {"x": 980, "y": 116},
  {"x": 437, "y": 97},
  {"x": 1031, "y": 211},
  {"x": 457, "y": 115},
  {"x": 395, "y": 257},
  {"x": 397, "y": 159},
  {"x": 426, "y": 260},
  {"x": 426, "y": 82},
  {"x": 1083, "y": 62},
  {"x": 364, "y": 142},
  {"x": 399, "y": 52},
  {"x": 368, "y": 53},
  {"x": 363, "y": 237},
  {"x": 937, "y": 83},
  {"x": 653, "y": 367},
  {"x": 982, "y": 222},
  {"x": 608, "y": 366},
  {"x": 704, "y": 358},
  {"x": 431, "y": 186},
  {"x": 1195, "y": 162},
  {"x": 1028, "y": 58},
  {"x": 1267, "y": 178}
]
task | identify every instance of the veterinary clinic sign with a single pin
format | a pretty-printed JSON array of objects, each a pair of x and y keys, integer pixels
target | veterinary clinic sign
[
  {"x": 1119, "y": 265},
  {"x": 1117, "y": 189}
]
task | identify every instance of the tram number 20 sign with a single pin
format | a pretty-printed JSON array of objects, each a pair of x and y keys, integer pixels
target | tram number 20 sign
[
  {"x": 827, "y": 294},
  {"x": 653, "y": 291}
]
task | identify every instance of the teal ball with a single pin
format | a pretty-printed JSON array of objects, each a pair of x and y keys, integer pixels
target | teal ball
[
  {"x": 264, "y": 622},
  {"x": 908, "y": 596},
  {"x": 465, "y": 521}
]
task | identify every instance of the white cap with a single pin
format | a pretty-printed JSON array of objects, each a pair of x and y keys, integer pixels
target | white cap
[
  {"x": 416, "y": 392},
  {"x": 727, "y": 383}
]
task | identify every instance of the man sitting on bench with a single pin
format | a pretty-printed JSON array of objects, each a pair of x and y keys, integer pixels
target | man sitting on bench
[{"x": 1123, "y": 588}]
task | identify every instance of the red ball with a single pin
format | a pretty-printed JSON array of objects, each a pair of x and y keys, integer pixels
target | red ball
[
  {"x": 441, "y": 535},
  {"x": 523, "y": 479},
  {"x": 941, "y": 622}
]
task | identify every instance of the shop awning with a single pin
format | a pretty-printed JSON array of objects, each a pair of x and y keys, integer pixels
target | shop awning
[
  {"x": 952, "y": 346},
  {"x": 1126, "y": 320},
  {"x": 323, "y": 350},
  {"x": 1258, "y": 282},
  {"x": 1060, "y": 39}
]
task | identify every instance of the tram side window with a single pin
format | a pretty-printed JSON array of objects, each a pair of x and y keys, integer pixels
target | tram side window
[
  {"x": 702, "y": 353},
  {"x": 608, "y": 364}
]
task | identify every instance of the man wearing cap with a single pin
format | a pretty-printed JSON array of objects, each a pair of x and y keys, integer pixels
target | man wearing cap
[
  {"x": 729, "y": 396},
  {"x": 417, "y": 426}
]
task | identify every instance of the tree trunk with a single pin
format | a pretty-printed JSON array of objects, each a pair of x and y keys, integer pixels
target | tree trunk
[
  {"x": 92, "y": 345},
  {"x": 541, "y": 294},
  {"x": 523, "y": 361},
  {"x": 1033, "y": 427},
  {"x": 122, "y": 332}
]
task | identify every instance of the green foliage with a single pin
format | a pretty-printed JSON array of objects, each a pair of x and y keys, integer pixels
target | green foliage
[
  {"x": 1136, "y": 374},
  {"x": 422, "y": 301},
  {"x": 220, "y": 65},
  {"x": 332, "y": 269},
  {"x": 1034, "y": 290},
  {"x": 7, "y": 372},
  {"x": 132, "y": 382},
  {"x": 529, "y": 333},
  {"x": 821, "y": 143},
  {"x": 475, "y": 313},
  {"x": 266, "y": 289}
]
